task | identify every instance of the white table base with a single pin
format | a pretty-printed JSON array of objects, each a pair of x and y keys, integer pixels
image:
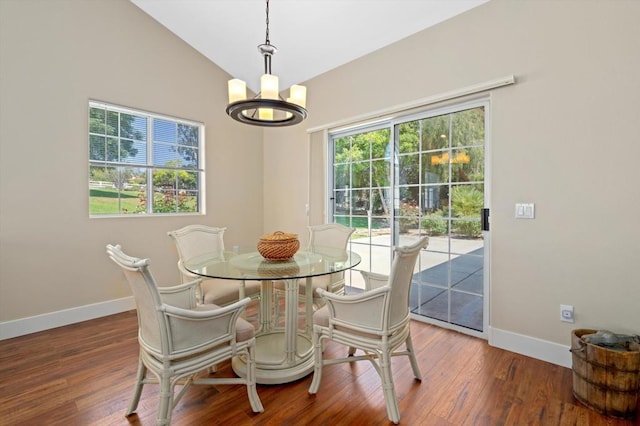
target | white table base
[
  {"x": 270, "y": 369},
  {"x": 282, "y": 355}
]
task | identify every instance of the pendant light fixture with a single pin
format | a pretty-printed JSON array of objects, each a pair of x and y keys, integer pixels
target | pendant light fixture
[{"x": 267, "y": 108}]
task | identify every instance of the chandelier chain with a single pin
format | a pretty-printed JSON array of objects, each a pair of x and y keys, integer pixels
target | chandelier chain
[{"x": 267, "y": 31}]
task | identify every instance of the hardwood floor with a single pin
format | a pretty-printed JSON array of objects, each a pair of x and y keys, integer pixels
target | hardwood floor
[{"x": 83, "y": 374}]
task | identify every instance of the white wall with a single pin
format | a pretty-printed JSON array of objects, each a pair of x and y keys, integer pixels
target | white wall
[
  {"x": 565, "y": 137},
  {"x": 54, "y": 57}
]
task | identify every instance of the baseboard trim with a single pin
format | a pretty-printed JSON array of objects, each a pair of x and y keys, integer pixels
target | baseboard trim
[
  {"x": 20, "y": 327},
  {"x": 530, "y": 346}
]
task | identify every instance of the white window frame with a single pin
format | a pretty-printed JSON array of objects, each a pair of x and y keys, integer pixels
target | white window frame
[{"x": 148, "y": 163}]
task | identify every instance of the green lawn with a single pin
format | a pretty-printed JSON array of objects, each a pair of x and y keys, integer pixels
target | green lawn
[
  {"x": 105, "y": 201},
  {"x": 358, "y": 222}
]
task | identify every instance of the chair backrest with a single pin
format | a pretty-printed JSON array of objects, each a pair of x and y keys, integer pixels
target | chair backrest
[
  {"x": 152, "y": 331},
  {"x": 197, "y": 240},
  {"x": 330, "y": 235},
  {"x": 402, "y": 270}
]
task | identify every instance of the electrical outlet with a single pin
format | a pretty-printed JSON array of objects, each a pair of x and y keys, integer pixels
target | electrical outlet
[{"x": 566, "y": 313}]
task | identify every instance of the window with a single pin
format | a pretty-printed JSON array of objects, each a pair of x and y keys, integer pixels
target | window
[{"x": 142, "y": 163}]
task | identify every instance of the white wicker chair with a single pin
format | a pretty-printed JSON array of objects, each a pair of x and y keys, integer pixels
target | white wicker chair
[
  {"x": 179, "y": 339},
  {"x": 376, "y": 321},
  {"x": 200, "y": 240},
  {"x": 331, "y": 237}
]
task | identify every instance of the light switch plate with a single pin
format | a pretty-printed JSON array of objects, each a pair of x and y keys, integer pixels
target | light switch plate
[{"x": 525, "y": 210}]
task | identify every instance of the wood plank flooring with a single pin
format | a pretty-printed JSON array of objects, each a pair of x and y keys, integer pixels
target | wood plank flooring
[{"x": 83, "y": 374}]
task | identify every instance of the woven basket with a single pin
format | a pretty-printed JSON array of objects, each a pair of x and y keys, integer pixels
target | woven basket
[
  {"x": 278, "y": 269},
  {"x": 278, "y": 246}
]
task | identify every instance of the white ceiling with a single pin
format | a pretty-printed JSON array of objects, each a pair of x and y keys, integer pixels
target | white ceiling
[{"x": 312, "y": 36}]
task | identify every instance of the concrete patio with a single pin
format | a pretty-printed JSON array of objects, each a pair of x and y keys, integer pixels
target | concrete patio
[{"x": 431, "y": 293}]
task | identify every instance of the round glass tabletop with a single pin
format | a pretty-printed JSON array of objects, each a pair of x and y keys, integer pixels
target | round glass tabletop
[{"x": 252, "y": 266}]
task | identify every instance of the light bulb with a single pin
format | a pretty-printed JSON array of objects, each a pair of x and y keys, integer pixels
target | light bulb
[
  {"x": 298, "y": 95},
  {"x": 269, "y": 86},
  {"x": 265, "y": 113},
  {"x": 237, "y": 90}
]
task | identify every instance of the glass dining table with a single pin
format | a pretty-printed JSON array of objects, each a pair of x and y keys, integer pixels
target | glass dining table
[{"x": 283, "y": 353}]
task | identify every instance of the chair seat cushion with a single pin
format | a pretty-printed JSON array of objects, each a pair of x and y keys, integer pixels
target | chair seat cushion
[
  {"x": 244, "y": 329},
  {"x": 321, "y": 316},
  {"x": 224, "y": 292}
]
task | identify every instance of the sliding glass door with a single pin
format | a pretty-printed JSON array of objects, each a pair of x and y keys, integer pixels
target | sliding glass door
[
  {"x": 417, "y": 175},
  {"x": 362, "y": 196},
  {"x": 441, "y": 187}
]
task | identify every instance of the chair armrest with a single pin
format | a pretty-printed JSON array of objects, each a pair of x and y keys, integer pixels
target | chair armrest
[
  {"x": 182, "y": 296},
  {"x": 188, "y": 276},
  {"x": 192, "y": 331},
  {"x": 364, "y": 312},
  {"x": 373, "y": 280},
  {"x": 203, "y": 312}
]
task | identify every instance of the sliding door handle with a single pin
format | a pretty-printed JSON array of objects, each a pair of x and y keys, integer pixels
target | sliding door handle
[{"x": 484, "y": 214}]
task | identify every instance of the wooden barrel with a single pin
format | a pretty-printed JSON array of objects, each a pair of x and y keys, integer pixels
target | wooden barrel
[{"x": 604, "y": 379}]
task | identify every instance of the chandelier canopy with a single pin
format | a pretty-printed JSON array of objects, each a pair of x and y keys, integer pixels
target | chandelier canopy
[{"x": 267, "y": 108}]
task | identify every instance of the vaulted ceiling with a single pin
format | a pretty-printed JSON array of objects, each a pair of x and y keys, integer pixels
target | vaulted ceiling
[{"x": 312, "y": 36}]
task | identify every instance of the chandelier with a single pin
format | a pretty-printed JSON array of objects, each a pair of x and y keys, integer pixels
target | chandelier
[{"x": 267, "y": 108}]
